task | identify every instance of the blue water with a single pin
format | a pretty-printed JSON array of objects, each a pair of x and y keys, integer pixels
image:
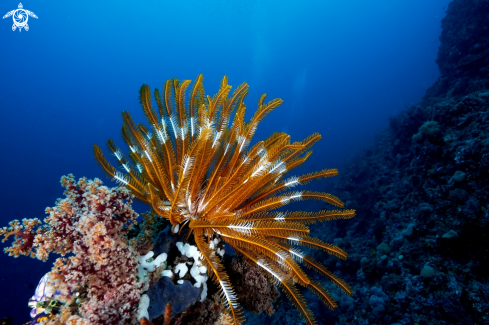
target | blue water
[{"x": 342, "y": 67}]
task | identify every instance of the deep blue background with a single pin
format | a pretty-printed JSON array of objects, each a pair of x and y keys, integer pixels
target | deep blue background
[{"x": 342, "y": 68}]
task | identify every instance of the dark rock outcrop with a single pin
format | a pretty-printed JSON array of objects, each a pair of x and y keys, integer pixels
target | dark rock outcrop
[{"x": 464, "y": 50}]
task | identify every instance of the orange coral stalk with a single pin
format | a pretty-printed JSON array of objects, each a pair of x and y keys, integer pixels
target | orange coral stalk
[
  {"x": 145, "y": 321},
  {"x": 167, "y": 314}
]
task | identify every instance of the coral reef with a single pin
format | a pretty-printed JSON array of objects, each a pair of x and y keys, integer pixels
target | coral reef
[
  {"x": 427, "y": 130},
  {"x": 196, "y": 171},
  {"x": 464, "y": 48},
  {"x": 427, "y": 200},
  {"x": 97, "y": 284},
  {"x": 194, "y": 166}
]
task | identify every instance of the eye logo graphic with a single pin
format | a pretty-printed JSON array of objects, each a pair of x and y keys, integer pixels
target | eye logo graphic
[{"x": 20, "y": 17}]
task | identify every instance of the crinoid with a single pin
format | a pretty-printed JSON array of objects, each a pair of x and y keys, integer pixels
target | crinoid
[{"x": 195, "y": 167}]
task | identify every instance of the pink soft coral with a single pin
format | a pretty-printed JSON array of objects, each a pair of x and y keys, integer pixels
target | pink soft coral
[{"x": 90, "y": 223}]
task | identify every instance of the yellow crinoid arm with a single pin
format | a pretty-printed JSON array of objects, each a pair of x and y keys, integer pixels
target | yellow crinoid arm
[
  {"x": 312, "y": 242},
  {"x": 196, "y": 99},
  {"x": 276, "y": 274},
  {"x": 144, "y": 150},
  {"x": 262, "y": 228},
  {"x": 135, "y": 186},
  {"x": 313, "y": 264},
  {"x": 267, "y": 170},
  {"x": 219, "y": 276},
  {"x": 286, "y": 198},
  {"x": 229, "y": 105},
  {"x": 268, "y": 249},
  {"x": 181, "y": 119},
  {"x": 217, "y": 101},
  {"x": 245, "y": 133},
  {"x": 298, "y": 301},
  {"x": 323, "y": 294},
  {"x": 161, "y": 140},
  {"x": 253, "y": 171},
  {"x": 292, "y": 182},
  {"x": 303, "y": 217}
]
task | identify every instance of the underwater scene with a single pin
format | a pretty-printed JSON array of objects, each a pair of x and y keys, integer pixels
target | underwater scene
[{"x": 224, "y": 162}]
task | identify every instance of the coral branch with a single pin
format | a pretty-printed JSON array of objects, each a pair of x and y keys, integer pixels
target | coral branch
[{"x": 98, "y": 284}]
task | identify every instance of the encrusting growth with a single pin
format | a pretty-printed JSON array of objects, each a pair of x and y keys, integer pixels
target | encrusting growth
[{"x": 194, "y": 165}]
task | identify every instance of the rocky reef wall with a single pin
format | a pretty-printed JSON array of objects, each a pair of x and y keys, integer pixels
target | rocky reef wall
[
  {"x": 464, "y": 50},
  {"x": 419, "y": 248}
]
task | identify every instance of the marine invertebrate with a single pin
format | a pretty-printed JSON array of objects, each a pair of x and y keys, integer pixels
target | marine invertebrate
[
  {"x": 196, "y": 168},
  {"x": 97, "y": 283}
]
